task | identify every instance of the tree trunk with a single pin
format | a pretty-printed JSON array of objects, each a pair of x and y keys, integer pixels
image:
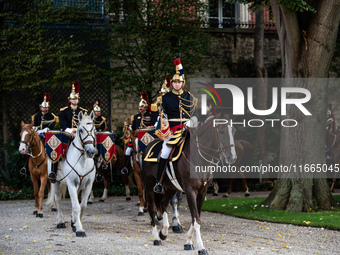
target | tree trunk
[
  {"x": 5, "y": 129},
  {"x": 261, "y": 85},
  {"x": 307, "y": 45}
]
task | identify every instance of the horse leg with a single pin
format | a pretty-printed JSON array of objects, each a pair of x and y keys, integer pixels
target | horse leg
[
  {"x": 60, "y": 217},
  {"x": 35, "y": 192},
  {"x": 333, "y": 183},
  {"x": 188, "y": 243},
  {"x": 196, "y": 221},
  {"x": 106, "y": 187},
  {"x": 43, "y": 183},
  {"x": 75, "y": 218},
  {"x": 91, "y": 197},
  {"x": 176, "y": 224},
  {"x": 216, "y": 187},
  {"x": 231, "y": 183},
  {"x": 138, "y": 178}
]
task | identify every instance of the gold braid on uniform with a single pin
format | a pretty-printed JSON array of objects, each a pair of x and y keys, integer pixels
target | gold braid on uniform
[
  {"x": 192, "y": 105},
  {"x": 43, "y": 122}
]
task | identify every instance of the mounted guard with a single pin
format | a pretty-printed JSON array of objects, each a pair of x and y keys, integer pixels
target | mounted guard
[
  {"x": 57, "y": 141},
  {"x": 177, "y": 110},
  {"x": 43, "y": 121}
]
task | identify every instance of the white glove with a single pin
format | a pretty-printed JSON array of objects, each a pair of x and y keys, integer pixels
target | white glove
[
  {"x": 69, "y": 130},
  {"x": 192, "y": 123},
  {"x": 35, "y": 128}
]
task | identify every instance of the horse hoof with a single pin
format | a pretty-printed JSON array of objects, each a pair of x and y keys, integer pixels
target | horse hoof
[
  {"x": 53, "y": 210},
  {"x": 80, "y": 234},
  {"x": 188, "y": 247},
  {"x": 215, "y": 195},
  {"x": 61, "y": 225},
  {"x": 89, "y": 202},
  {"x": 140, "y": 213},
  {"x": 39, "y": 215},
  {"x": 246, "y": 194},
  {"x": 177, "y": 229},
  {"x": 157, "y": 242},
  {"x": 35, "y": 212},
  {"x": 203, "y": 252},
  {"x": 161, "y": 236},
  {"x": 128, "y": 198},
  {"x": 101, "y": 200}
]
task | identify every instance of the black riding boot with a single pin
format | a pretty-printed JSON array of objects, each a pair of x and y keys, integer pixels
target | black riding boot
[
  {"x": 23, "y": 170},
  {"x": 53, "y": 174},
  {"x": 161, "y": 165},
  {"x": 126, "y": 168}
]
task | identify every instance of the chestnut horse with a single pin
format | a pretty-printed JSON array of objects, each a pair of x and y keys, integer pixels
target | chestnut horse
[
  {"x": 244, "y": 152},
  {"x": 215, "y": 143},
  {"x": 32, "y": 145}
]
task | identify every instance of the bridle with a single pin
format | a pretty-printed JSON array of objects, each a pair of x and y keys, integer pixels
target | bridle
[{"x": 29, "y": 143}]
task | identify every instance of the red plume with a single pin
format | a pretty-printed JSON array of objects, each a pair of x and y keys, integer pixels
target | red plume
[
  {"x": 144, "y": 95},
  {"x": 98, "y": 100},
  {"x": 76, "y": 87},
  {"x": 177, "y": 61},
  {"x": 167, "y": 82},
  {"x": 47, "y": 96}
]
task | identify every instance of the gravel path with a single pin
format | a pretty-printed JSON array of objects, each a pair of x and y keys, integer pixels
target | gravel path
[{"x": 113, "y": 227}]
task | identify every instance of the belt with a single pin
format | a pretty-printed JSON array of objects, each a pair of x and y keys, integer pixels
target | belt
[{"x": 179, "y": 120}]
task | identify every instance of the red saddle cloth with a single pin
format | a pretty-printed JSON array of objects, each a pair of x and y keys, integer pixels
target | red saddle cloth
[{"x": 56, "y": 145}]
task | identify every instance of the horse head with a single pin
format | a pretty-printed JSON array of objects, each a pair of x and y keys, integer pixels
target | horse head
[
  {"x": 27, "y": 138},
  {"x": 86, "y": 135},
  {"x": 227, "y": 145}
]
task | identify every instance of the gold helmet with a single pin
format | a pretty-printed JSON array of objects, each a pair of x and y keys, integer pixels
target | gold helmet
[
  {"x": 144, "y": 101},
  {"x": 74, "y": 94},
  {"x": 46, "y": 101},
  {"x": 165, "y": 86},
  {"x": 96, "y": 105},
  {"x": 179, "y": 72}
]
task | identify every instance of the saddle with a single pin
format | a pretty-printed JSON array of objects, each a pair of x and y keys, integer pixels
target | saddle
[{"x": 177, "y": 142}]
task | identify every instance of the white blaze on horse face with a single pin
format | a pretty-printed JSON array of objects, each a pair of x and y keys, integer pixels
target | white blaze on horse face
[
  {"x": 22, "y": 146},
  {"x": 232, "y": 159}
]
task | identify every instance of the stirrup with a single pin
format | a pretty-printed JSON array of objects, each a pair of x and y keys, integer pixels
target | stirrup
[
  {"x": 23, "y": 171},
  {"x": 158, "y": 188},
  {"x": 52, "y": 177},
  {"x": 125, "y": 171}
]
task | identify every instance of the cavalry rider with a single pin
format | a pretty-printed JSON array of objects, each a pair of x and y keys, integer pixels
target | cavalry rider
[
  {"x": 68, "y": 117},
  {"x": 141, "y": 120},
  {"x": 99, "y": 121},
  {"x": 43, "y": 121},
  {"x": 331, "y": 125},
  {"x": 179, "y": 106}
]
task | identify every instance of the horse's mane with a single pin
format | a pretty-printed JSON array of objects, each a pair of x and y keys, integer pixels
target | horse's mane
[{"x": 202, "y": 129}]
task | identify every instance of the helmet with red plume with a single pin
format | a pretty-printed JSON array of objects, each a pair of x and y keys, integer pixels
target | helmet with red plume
[
  {"x": 165, "y": 86},
  {"x": 74, "y": 94},
  {"x": 179, "y": 72},
  {"x": 96, "y": 105},
  {"x": 46, "y": 100},
  {"x": 144, "y": 101}
]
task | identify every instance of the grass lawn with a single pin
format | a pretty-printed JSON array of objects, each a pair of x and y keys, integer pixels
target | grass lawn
[{"x": 251, "y": 208}]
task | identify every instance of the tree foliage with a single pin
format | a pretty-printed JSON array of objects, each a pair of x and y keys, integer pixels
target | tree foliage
[
  {"x": 148, "y": 35},
  {"x": 36, "y": 52}
]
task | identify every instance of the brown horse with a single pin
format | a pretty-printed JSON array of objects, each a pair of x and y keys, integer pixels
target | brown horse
[
  {"x": 31, "y": 145},
  {"x": 208, "y": 140},
  {"x": 333, "y": 148},
  {"x": 244, "y": 152}
]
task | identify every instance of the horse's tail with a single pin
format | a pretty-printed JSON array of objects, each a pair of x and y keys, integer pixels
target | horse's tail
[{"x": 50, "y": 202}]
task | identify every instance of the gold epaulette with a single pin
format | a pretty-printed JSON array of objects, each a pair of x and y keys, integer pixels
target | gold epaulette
[
  {"x": 56, "y": 118},
  {"x": 132, "y": 118},
  {"x": 194, "y": 99},
  {"x": 83, "y": 109},
  {"x": 103, "y": 118},
  {"x": 64, "y": 108},
  {"x": 32, "y": 118},
  {"x": 154, "y": 107}
]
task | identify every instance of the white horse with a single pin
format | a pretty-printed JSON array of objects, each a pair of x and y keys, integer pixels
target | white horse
[{"x": 77, "y": 172}]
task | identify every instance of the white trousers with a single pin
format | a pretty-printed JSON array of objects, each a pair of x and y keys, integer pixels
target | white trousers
[
  {"x": 166, "y": 149},
  {"x": 128, "y": 151}
]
